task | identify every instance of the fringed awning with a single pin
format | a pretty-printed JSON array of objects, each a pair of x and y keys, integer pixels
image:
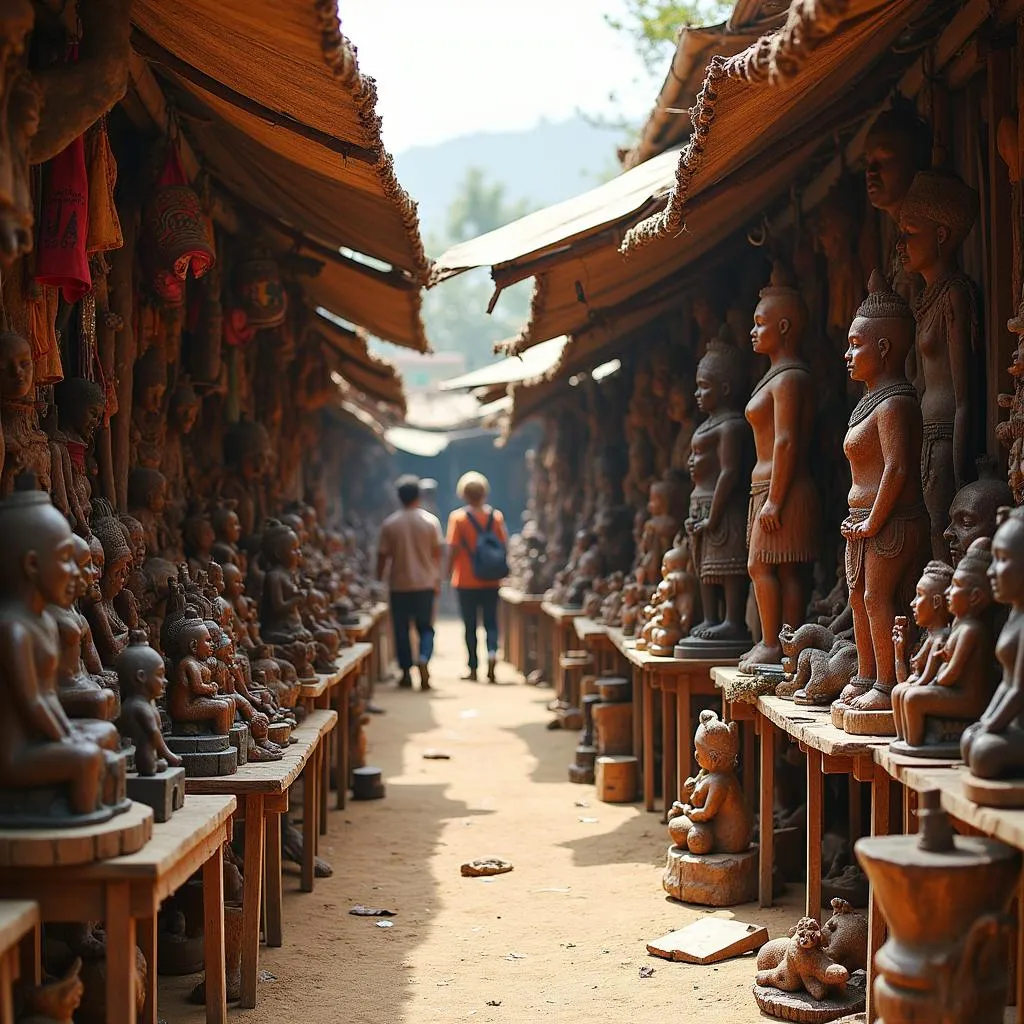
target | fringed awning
[
  {"x": 271, "y": 95},
  {"x": 594, "y": 290},
  {"x": 537, "y": 362},
  {"x": 784, "y": 81},
  {"x": 376, "y": 378}
]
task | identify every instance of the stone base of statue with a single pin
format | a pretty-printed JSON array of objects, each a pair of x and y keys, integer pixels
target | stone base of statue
[
  {"x": 866, "y": 723},
  {"x": 697, "y": 648},
  {"x": 713, "y": 879},
  {"x": 204, "y": 756},
  {"x": 163, "y": 792},
  {"x": 68, "y": 845},
  {"x": 280, "y": 733},
  {"x": 994, "y": 792},
  {"x": 942, "y": 740},
  {"x": 804, "y": 1008}
]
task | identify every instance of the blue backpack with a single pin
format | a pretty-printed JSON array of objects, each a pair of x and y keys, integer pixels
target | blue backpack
[{"x": 490, "y": 558}]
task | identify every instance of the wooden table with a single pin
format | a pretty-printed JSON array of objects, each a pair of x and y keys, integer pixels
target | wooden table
[
  {"x": 333, "y": 690},
  {"x": 126, "y": 892},
  {"x": 561, "y": 634},
  {"x": 19, "y": 950},
  {"x": 373, "y": 627},
  {"x": 520, "y": 627},
  {"x": 594, "y": 638},
  {"x": 262, "y": 792}
]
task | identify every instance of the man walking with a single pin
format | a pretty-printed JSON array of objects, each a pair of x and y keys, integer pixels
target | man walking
[{"x": 409, "y": 552}]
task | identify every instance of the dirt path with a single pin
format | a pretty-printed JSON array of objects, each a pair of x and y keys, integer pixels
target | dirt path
[{"x": 561, "y": 938}]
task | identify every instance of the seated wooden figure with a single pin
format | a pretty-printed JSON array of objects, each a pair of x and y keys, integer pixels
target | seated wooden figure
[
  {"x": 632, "y": 597},
  {"x": 887, "y": 530},
  {"x": 711, "y": 817},
  {"x": 719, "y": 465},
  {"x": 993, "y": 747},
  {"x": 142, "y": 675},
  {"x": 193, "y": 701},
  {"x": 49, "y": 774},
  {"x": 283, "y": 599},
  {"x": 936, "y": 711},
  {"x": 665, "y": 631}
]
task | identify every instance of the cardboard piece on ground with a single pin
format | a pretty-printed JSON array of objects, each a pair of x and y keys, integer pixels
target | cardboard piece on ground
[{"x": 709, "y": 940}]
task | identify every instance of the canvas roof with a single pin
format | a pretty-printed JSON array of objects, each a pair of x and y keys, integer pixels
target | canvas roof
[{"x": 534, "y": 363}]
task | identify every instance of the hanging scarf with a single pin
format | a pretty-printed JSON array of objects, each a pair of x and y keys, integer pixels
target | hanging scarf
[{"x": 61, "y": 260}]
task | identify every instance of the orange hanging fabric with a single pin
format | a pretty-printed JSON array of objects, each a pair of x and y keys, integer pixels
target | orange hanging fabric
[{"x": 61, "y": 259}]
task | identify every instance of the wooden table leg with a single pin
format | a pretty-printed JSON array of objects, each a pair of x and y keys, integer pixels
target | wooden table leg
[
  {"x": 8, "y": 970},
  {"x": 815, "y": 807},
  {"x": 647, "y": 691},
  {"x": 30, "y": 969},
  {"x": 855, "y": 818},
  {"x": 274, "y": 897},
  {"x": 910, "y": 814},
  {"x": 120, "y": 932},
  {"x": 213, "y": 938},
  {"x": 880, "y": 818},
  {"x": 324, "y": 783},
  {"x": 668, "y": 750},
  {"x": 766, "y": 813},
  {"x": 341, "y": 744},
  {"x": 684, "y": 732},
  {"x": 146, "y": 931},
  {"x": 252, "y": 896},
  {"x": 310, "y": 806}
]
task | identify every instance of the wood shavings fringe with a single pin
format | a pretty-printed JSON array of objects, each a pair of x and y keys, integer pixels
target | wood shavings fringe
[
  {"x": 341, "y": 58},
  {"x": 525, "y": 339}
]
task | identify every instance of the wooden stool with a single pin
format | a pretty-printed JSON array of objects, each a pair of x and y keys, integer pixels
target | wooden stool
[
  {"x": 613, "y": 716},
  {"x": 573, "y": 664},
  {"x": 582, "y": 769},
  {"x": 616, "y": 778}
]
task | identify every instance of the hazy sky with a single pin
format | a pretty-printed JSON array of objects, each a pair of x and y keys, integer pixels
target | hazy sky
[{"x": 446, "y": 68}]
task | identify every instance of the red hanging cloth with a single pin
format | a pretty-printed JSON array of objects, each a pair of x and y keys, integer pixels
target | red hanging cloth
[{"x": 61, "y": 260}]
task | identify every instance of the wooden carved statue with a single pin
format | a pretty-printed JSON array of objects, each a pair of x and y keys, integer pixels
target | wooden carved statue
[
  {"x": 109, "y": 631},
  {"x": 141, "y": 675},
  {"x": 973, "y": 512},
  {"x": 193, "y": 700},
  {"x": 935, "y": 712},
  {"x": 719, "y": 462},
  {"x": 886, "y": 530},
  {"x": 1010, "y": 432},
  {"x": 284, "y": 600},
  {"x": 935, "y": 218},
  {"x": 80, "y": 407},
  {"x": 993, "y": 747},
  {"x": 182, "y": 413},
  {"x": 783, "y": 526},
  {"x": 149, "y": 412},
  {"x": 25, "y": 448}
]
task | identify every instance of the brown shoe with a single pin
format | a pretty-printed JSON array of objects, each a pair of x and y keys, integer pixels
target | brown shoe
[
  {"x": 424, "y": 676},
  {"x": 491, "y": 665}
]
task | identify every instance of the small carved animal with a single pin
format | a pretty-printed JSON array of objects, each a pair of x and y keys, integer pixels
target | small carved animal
[
  {"x": 800, "y": 648},
  {"x": 804, "y": 966},
  {"x": 846, "y": 936},
  {"x": 828, "y": 674},
  {"x": 56, "y": 1002}
]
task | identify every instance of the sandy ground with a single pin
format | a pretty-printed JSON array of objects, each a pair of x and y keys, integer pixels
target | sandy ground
[{"x": 561, "y": 938}]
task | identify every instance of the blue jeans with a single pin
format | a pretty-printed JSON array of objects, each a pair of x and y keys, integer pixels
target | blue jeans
[
  {"x": 472, "y": 602},
  {"x": 410, "y": 607}
]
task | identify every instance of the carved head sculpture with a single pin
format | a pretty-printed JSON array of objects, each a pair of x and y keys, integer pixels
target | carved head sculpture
[
  {"x": 898, "y": 145},
  {"x": 680, "y": 405},
  {"x": 780, "y": 318},
  {"x": 17, "y": 370},
  {"x": 658, "y": 498},
  {"x": 716, "y": 743},
  {"x": 970, "y": 592},
  {"x": 219, "y": 640},
  {"x": 280, "y": 545},
  {"x": 99, "y": 562},
  {"x": 929, "y": 603},
  {"x": 937, "y": 214},
  {"x": 721, "y": 377},
  {"x": 973, "y": 513},
  {"x": 234, "y": 581},
  {"x": 37, "y": 558},
  {"x": 136, "y": 538},
  {"x": 147, "y": 489},
  {"x": 245, "y": 449},
  {"x": 198, "y": 533},
  {"x": 183, "y": 408},
  {"x": 881, "y": 333},
  {"x": 194, "y": 638},
  {"x": 80, "y": 405},
  {"x": 149, "y": 381},
  {"x": 1006, "y": 573},
  {"x": 226, "y": 525},
  {"x": 140, "y": 670},
  {"x": 117, "y": 550},
  {"x": 86, "y": 575}
]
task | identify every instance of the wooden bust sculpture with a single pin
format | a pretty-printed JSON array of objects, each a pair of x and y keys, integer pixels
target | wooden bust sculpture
[
  {"x": 935, "y": 712},
  {"x": 973, "y": 512},
  {"x": 993, "y": 747},
  {"x": 887, "y": 528},
  {"x": 49, "y": 774},
  {"x": 25, "y": 448},
  {"x": 719, "y": 465},
  {"x": 711, "y": 817},
  {"x": 785, "y": 511},
  {"x": 932, "y": 617},
  {"x": 935, "y": 218}
]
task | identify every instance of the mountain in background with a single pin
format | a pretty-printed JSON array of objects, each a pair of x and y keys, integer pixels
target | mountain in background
[{"x": 542, "y": 165}]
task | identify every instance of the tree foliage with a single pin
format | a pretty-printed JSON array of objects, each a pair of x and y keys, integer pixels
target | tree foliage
[
  {"x": 653, "y": 25},
  {"x": 455, "y": 311}
]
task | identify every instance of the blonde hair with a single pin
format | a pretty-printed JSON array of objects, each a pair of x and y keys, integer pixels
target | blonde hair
[{"x": 472, "y": 486}]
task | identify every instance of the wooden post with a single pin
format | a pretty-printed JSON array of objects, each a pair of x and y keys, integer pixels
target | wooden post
[
  {"x": 766, "y": 822},
  {"x": 815, "y": 809}
]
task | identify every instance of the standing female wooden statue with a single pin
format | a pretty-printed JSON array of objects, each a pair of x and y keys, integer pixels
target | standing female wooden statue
[{"x": 785, "y": 512}]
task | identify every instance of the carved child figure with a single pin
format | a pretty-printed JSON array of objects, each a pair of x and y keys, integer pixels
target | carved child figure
[
  {"x": 935, "y": 712},
  {"x": 719, "y": 464},
  {"x": 805, "y": 965},
  {"x": 712, "y": 816},
  {"x": 933, "y": 616},
  {"x": 193, "y": 698},
  {"x": 24, "y": 447},
  {"x": 141, "y": 675},
  {"x": 284, "y": 600}
]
